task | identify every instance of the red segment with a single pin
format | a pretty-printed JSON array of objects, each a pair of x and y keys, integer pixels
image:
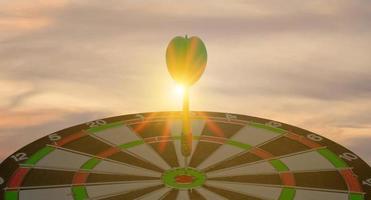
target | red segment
[
  {"x": 261, "y": 153},
  {"x": 80, "y": 178},
  {"x": 108, "y": 152},
  {"x": 219, "y": 140},
  {"x": 17, "y": 177},
  {"x": 287, "y": 178},
  {"x": 351, "y": 180},
  {"x": 71, "y": 138},
  {"x": 184, "y": 179},
  {"x": 303, "y": 140}
]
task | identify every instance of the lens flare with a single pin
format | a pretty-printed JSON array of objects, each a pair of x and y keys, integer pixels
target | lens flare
[{"x": 179, "y": 91}]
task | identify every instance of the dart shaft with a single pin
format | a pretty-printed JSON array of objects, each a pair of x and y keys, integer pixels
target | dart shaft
[{"x": 186, "y": 139}]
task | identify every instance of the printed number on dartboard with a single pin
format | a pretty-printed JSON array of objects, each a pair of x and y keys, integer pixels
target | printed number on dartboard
[
  {"x": 1, "y": 181},
  {"x": 367, "y": 182},
  {"x": 314, "y": 137},
  {"x": 348, "y": 156},
  {"x": 230, "y": 117},
  {"x": 273, "y": 124},
  {"x": 96, "y": 123},
  {"x": 19, "y": 157},
  {"x": 54, "y": 137},
  {"x": 141, "y": 117}
]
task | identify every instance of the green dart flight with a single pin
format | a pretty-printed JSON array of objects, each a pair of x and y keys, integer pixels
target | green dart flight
[{"x": 186, "y": 59}]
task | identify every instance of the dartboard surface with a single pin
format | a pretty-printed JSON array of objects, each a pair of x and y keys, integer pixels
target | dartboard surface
[{"x": 139, "y": 156}]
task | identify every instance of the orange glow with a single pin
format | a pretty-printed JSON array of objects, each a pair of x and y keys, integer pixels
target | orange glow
[
  {"x": 139, "y": 127},
  {"x": 165, "y": 133},
  {"x": 212, "y": 126}
]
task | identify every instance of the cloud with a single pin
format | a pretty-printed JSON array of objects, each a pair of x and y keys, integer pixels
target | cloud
[
  {"x": 17, "y": 17},
  {"x": 28, "y": 126}
]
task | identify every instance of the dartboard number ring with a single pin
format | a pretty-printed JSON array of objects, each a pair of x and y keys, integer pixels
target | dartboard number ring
[
  {"x": 96, "y": 123},
  {"x": 348, "y": 156},
  {"x": 19, "y": 157}
]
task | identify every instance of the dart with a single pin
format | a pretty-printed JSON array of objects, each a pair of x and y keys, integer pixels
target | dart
[{"x": 186, "y": 61}]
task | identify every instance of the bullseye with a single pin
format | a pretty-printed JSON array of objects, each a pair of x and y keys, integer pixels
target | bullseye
[{"x": 183, "y": 178}]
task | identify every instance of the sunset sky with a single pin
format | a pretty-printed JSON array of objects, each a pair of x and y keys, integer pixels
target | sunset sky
[{"x": 305, "y": 63}]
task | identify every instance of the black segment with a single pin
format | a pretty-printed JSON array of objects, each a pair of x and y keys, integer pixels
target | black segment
[
  {"x": 325, "y": 180},
  {"x": 229, "y": 194},
  {"x": 44, "y": 177},
  {"x": 202, "y": 151},
  {"x": 132, "y": 160},
  {"x": 167, "y": 151},
  {"x": 283, "y": 146},
  {"x": 220, "y": 129},
  {"x": 98, "y": 178},
  {"x": 240, "y": 159},
  {"x": 172, "y": 194},
  {"x": 87, "y": 145},
  {"x": 193, "y": 194},
  {"x": 273, "y": 179},
  {"x": 134, "y": 194}
]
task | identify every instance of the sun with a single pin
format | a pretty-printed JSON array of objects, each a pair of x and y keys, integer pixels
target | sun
[{"x": 179, "y": 91}]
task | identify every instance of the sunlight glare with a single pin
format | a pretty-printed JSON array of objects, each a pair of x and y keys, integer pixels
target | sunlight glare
[{"x": 179, "y": 91}]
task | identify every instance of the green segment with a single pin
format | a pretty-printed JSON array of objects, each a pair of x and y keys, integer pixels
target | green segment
[
  {"x": 287, "y": 194},
  {"x": 11, "y": 195},
  {"x": 333, "y": 158},
  {"x": 238, "y": 144},
  {"x": 131, "y": 144},
  {"x": 39, "y": 155},
  {"x": 169, "y": 178},
  {"x": 354, "y": 196},
  {"x": 269, "y": 128},
  {"x": 279, "y": 165},
  {"x": 79, "y": 193},
  {"x": 104, "y": 127},
  {"x": 90, "y": 164}
]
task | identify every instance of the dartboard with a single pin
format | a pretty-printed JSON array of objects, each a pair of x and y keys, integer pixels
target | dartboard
[{"x": 138, "y": 156}]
